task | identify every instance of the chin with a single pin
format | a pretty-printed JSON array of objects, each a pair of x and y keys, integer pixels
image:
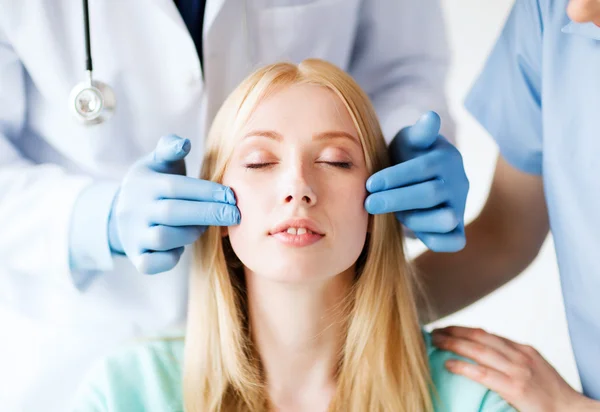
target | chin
[{"x": 299, "y": 273}]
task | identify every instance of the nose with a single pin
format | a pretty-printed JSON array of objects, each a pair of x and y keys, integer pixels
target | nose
[{"x": 297, "y": 189}]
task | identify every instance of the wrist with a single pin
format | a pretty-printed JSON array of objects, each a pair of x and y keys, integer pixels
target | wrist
[
  {"x": 589, "y": 405},
  {"x": 114, "y": 240},
  {"x": 580, "y": 403},
  {"x": 88, "y": 242}
]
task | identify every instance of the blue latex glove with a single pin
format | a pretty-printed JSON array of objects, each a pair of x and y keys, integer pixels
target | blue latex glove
[
  {"x": 426, "y": 189},
  {"x": 158, "y": 210}
]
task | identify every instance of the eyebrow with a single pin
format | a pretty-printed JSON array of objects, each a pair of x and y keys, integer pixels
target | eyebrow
[{"x": 271, "y": 134}]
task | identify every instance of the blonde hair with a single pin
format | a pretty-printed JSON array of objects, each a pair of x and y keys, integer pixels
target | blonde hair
[{"x": 383, "y": 365}]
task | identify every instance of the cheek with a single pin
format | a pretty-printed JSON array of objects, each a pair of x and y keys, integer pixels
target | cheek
[
  {"x": 348, "y": 201},
  {"x": 352, "y": 194},
  {"x": 253, "y": 202}
]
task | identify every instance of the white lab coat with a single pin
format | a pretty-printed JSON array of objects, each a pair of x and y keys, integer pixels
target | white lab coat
[{"x": 51, "y": 330}]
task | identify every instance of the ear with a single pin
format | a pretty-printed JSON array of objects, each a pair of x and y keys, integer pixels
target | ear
[{"x": 224, "y": 231}]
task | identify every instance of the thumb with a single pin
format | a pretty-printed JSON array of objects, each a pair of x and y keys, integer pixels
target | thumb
[
  {"x": 169, "y": 154},
  {"x": 171, "y": 148},
  {"x": 424, "y": 132}
]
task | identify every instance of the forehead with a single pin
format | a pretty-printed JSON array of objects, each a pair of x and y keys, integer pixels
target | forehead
[{"x": 301, "y": 108}]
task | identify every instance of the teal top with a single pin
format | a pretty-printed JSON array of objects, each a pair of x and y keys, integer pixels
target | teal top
[{"x": 147, "y": 378}]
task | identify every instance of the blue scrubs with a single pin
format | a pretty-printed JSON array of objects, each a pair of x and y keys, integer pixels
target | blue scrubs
[{"x": 539, "y": 97}]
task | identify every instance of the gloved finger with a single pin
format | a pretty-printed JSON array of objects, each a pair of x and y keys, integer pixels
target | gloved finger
[
  {"x": 424, "y": 132},
  {"x": 444, "y": 242},
  {"x": 419, "y": 169},
  {"x": 420, "y": 196},
  {"x": 437, "y": 220},
  {"x": 169, "y": 212},
  {"x": 151, "y": 263},
  {"x": 160, "y": 238},
  {"x": 190, "y": 188},
  {"x": 168, "y": 155}
]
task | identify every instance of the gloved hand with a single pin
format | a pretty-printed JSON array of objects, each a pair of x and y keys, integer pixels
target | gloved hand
[
  {"x": 158, "y": 210},
  {"x": 426, "y": 189}
]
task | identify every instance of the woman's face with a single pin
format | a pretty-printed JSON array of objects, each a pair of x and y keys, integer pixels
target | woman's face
[{"x": 299, "y": 176}]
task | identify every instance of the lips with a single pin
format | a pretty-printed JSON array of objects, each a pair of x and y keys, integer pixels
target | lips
[{"x": 297, "y": 223}]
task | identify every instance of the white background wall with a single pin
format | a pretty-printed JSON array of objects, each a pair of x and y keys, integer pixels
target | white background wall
[{"x": 529, "y": 309}]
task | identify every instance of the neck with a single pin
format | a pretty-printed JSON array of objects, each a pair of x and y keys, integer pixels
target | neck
[{"x": 299, "y": 332}]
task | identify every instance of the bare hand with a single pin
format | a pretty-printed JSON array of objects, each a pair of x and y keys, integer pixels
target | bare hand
[{"x": 518, "y": 373}]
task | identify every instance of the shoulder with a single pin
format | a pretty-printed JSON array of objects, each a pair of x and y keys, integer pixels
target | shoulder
[
  {"x": 457, "y": 393},
  {"x": 540, "y": 15},
  {"x": 144, "y": 376}
]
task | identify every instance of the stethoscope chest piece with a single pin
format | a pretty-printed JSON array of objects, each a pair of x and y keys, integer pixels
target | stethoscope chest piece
[{"x": 92, "y": 101}]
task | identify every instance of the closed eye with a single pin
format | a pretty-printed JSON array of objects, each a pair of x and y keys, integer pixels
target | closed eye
[
  {"x": 258, "y": 165},
  {"x": 343, "y": 165}
]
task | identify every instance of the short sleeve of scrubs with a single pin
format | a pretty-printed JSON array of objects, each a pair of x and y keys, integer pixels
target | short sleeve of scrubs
[{"x": 506, "y": 98}]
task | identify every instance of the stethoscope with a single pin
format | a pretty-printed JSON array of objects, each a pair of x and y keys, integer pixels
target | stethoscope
[{"x": 92, "y": 101}]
